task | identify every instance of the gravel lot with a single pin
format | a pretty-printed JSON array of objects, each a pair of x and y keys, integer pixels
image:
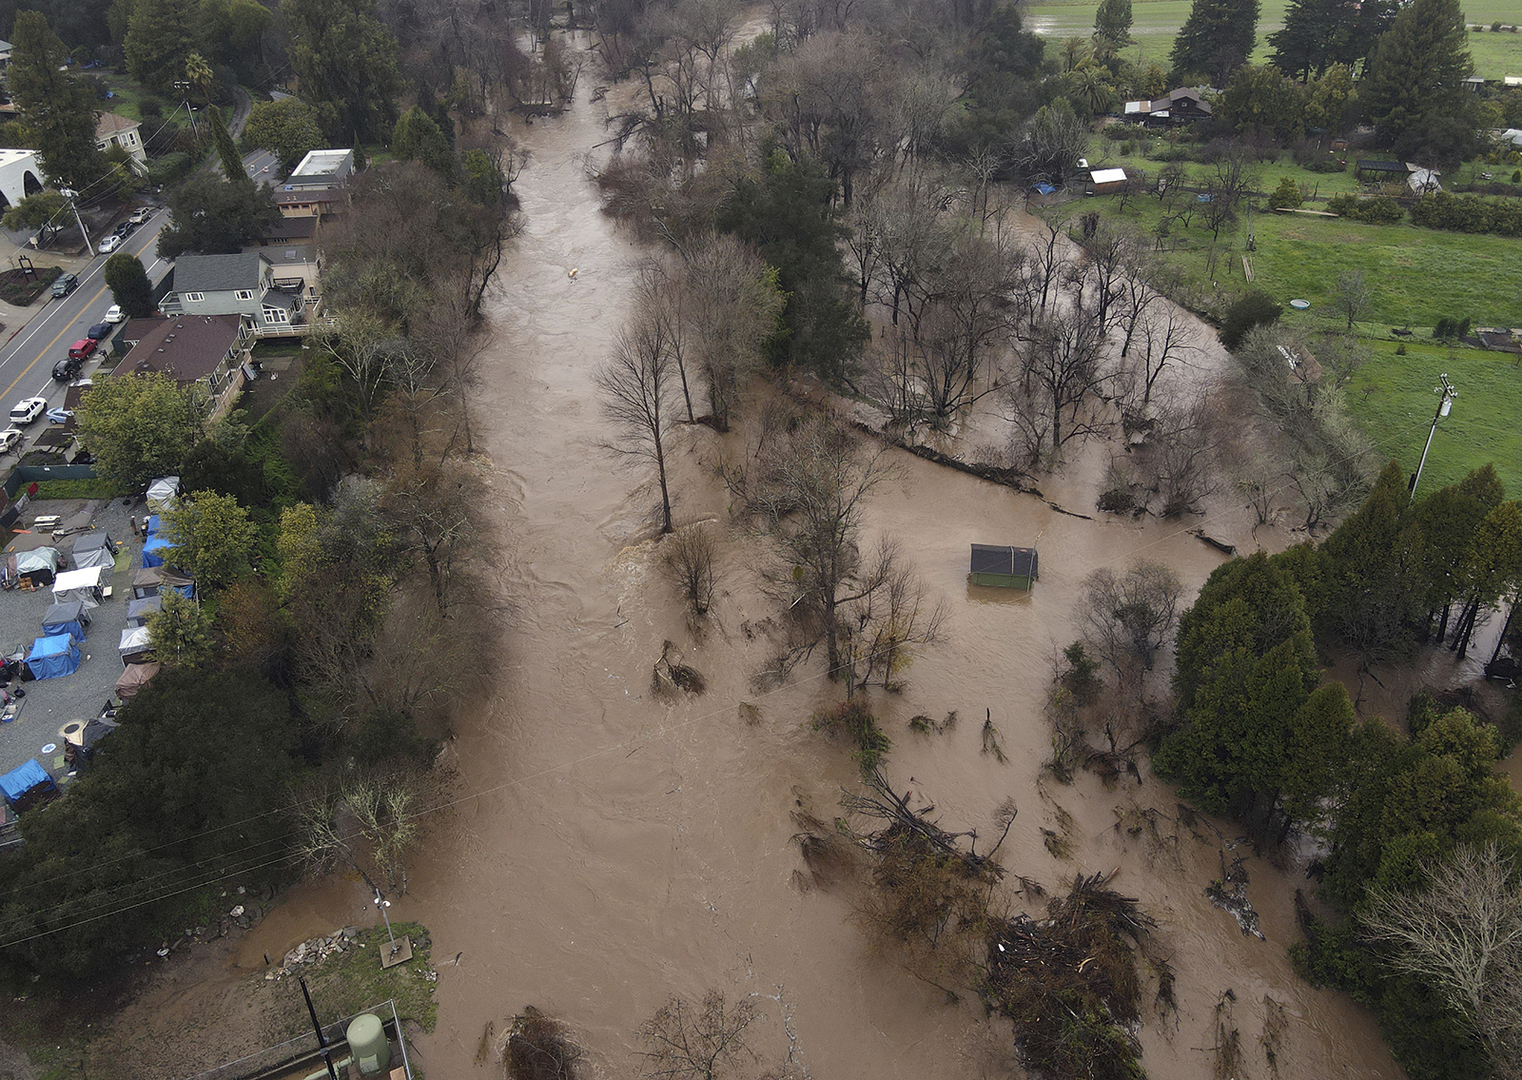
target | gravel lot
[{"x": 51, "y": 703}]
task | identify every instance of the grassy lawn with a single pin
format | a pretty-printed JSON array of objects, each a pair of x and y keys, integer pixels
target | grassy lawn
[
  {"x": 1392, "y": 398},
  {"x": 1107, "y": 153},
  {"x": 1156, "y": 22}
]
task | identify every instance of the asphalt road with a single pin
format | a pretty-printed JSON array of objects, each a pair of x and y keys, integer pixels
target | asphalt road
[{"x": 27, "y": 359}]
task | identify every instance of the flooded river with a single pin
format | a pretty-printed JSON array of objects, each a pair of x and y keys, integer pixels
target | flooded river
[{"x": 613, "y": 848}]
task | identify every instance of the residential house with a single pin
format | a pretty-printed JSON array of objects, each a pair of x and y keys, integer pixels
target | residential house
[
  {"x": 113, "y": 129},
  {"x": 1181, "y": 106},
  {"x": 241, "y": 284},
  {"x": 291, "y": 247},
  {"x": 206, "y": 352},
  {"x": 315, "y": 202},
  {"x": 5, "y": 54}
]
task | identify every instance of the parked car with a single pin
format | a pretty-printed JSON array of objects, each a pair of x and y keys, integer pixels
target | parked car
[
  {"x": 114, "y": 314},
  {"x": 10, "y": 438},
  {"x": 123, "y": 230},
  {"x": 83, "y": 348},
  {"x": 64, "y": 285},
  {"x": 67, "y": 368},
  {"x": 99, "y": 331},
  {"x": 109, "y": 244},
  {"x": 141, "y": 215},
  {"x": 60, "y": 415},
  {"x": 28, "y": 409}
]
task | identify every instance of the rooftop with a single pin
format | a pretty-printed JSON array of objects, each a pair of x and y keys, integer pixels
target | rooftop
[
  {"x": 218, "y": 273},
  {"x": 111, "y": 123},
  {"x": 186, "y": 348},
  {"x": 322, "y": 163}
]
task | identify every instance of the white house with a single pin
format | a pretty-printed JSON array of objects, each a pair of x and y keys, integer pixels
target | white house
[
  {"x": 113, "y": 129},
  {"x": 20, "y": 176}
]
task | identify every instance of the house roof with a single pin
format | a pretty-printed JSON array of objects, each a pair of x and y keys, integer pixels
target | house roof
[
  {"x": 1107, "y": 176},
  {"x": 319, "y": 163},
  {"x": 133, "y": 330},
  {"x": 110, "y": 123},
  {"x": 218, "y": 273},
  {"x": 186, "y": 348},
  {"x": 1370, "y": 165},
  {"x": 274, "y": 298},
  {"x": 992, "y": 559},
  {"x": 287, "y": 229}
]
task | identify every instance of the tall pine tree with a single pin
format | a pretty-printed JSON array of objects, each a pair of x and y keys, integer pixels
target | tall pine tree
[
  {"x": 58, "y": 108},
  {"x": 1416, "y": 72},
  {"x": 1319, "y": 33},
  {"x": 345, "y": 60},
  {"x": 1216, "y": 39},
  {"x": 161, "y": 35}
]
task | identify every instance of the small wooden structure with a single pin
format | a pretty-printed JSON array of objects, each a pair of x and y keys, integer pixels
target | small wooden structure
[{"x": 1003, "y": 567}]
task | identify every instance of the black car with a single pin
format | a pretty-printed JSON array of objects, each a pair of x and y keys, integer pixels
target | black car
[
  {"x": 124, "y": 230},
  {"x": 99, "y": 331},
  {"x": 67, "y": 368},
  {"x": 64, "y": 285}
]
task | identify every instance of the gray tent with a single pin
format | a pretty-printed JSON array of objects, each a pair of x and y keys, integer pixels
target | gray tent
[
  {"x": 94, "y": 549},
  {"x": 135, "y": 647},
  {"x": 163, "y": 492},
  {"x": 39, "y": 564},
  {"x": 152, "y": 580},
  {"x": 139, "y": 610},
  {"x": 70, "y": 617}
]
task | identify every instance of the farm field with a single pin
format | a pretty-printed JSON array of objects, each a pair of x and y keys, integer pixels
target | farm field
[{"x": 1156, "y": 22}]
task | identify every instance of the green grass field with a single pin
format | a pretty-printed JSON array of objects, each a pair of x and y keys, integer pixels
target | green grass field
[{"x": 1156, "y": 22}]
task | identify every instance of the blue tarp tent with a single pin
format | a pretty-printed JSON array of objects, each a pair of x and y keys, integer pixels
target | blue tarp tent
[
  {"x": 20, "y": 785},
  {"x": 53, "y": 657},
  {"x": 69, "y": 618},
  {"x": 155, "y": 551},
  {"x": 152, "y": 527}
]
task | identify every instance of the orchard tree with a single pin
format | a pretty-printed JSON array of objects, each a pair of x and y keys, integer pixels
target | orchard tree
[
  {"x": 129, "y": 285},
  {"x": 59, "y": 109},
  {"x": 286, "y": 128},
  {"x": 1216, "y": 39},
  {"x": 138, "y": 426},
  {"x": 212, "y": 537}
]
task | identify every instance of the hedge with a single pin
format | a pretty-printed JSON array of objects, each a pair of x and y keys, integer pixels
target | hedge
[{"x": 1467, "y": 213}]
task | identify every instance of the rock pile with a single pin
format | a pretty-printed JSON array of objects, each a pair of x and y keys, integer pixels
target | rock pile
[{"x": 314, "y": 950}]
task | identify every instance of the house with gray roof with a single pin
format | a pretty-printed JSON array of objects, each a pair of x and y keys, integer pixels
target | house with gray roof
[{"x": 241, "y": 284}]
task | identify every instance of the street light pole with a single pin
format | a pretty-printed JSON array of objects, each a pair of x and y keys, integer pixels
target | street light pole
[
  {"x": 1447, "y": 393},
  {"x": 383, "y": 904}
]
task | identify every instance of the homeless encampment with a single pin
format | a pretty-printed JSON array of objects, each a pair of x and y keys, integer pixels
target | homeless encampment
[
  {"x": 139, "y": 610},
  {"x": 136, "y": 646},
  {"x": 53, "y": 657},
  {"x": 163, "y": 492},
  {"x": 94, "y": 549},
  {"x": 40, "y": 565},
  {"x": 152, "y": 580},
  {"x": 85, "y": 586},
  {"x": 156, "y": 550},
  {"x": 27, "y": 786},
  {"x": 135, "y": 677},
  {"x": 70, "y": 618}
]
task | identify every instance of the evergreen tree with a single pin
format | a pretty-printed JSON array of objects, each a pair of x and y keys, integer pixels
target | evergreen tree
[
  {"x": 215, "y": 217},
  {"x": 288, "y": 129},
  {"x": 1112, "y": 26},
  {"x": 417, "y": 138},
  {"x": 129, "y": 285},
  {"x": 1416, "y": 72},
  {"x": 345, "y": 60},
  {"x": 1216, "y": 39},
  {"x": 59, "y": 109},
  {"x": 161, "y": 35},
  {"x": 227, "y": 150},
  {"x": 1448, "y": 519},
  {"x": 1319, "y": 33}
]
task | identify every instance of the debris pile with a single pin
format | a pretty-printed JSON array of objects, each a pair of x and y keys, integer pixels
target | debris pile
[{"x": 314, "y": 950}]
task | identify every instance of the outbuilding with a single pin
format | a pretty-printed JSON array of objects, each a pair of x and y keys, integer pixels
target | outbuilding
[
  {"x": 1106, "y": 181},
  {"x": 1003, "y": 567}
]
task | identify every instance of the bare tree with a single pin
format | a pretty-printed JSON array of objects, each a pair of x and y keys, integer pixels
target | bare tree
[
  {"x": 1057, "y": 395},
  {"x": 1351, "y": 295},
  {"x": 636, "y": 387},
  {"x": 707, "y": 1042},
  {"x": 733, "y": 306},
  {"x": 1463, "y": 933},
  {"x": 1163, "y": 336},
  {"x": 1180, "y": 455},
  {"x": 366, "y": 819},
  {"x": 1127, "y": 618},
  {"x": 889, "y": 622},
  {"x": 434, "y": 508},
  {"x": 688, "y": 556}
]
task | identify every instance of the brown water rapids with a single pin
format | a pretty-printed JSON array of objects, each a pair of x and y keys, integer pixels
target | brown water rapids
[{"x": 613, "y": 848}]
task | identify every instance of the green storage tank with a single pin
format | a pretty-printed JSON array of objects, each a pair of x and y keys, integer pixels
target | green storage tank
[{"x": 369, "y": 1045}]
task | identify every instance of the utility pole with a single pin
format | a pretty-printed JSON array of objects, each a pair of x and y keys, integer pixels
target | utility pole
[
  {"x": 322, "y": 1040},
  {"x": 71, "y": 195},
  {"x": 1446, "y": 393},
  {"x": 183, "y": 86}
]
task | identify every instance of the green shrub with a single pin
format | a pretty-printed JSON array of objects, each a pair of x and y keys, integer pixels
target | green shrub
[
  {"x": 855, "y": 719},
  {"x": 1380, "y": 211},
  {"x": 1451, "y": 329},
  {"x": 1327, "y": 165},
  {"x": 1516, "y": 177},
  {"x": 1255, "y": 308},
  {"x": 170, "y": 169},
  {"x": 1286, "y": 195},
  {"x": 1468, "y": 213}
]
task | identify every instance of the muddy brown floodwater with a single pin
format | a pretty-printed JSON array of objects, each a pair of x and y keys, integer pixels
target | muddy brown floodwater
[{"x": 612, "y": 848}]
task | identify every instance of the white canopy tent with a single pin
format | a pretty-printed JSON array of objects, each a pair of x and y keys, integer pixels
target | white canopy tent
[{"x": 84, "y": 586}]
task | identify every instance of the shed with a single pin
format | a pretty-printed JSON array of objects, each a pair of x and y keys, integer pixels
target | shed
[
  {"x": 86, "y": 586},
  {"x": 94, "y": 549},
  {"x": 68, "y": 618},
  {"x": 28, "y": 785},
  {"x": 53, "y": 657},
  {"x": 1395, "y": 171},
  {"x": 1105, "y": 181},
  {"x": 1003, "y": 567}
]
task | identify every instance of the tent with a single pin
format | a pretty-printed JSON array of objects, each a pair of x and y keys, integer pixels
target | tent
[
  {"x": 85, "y": 586},
  {"x": 53, "y": 657},
  {"x": 23, "y": 788},
  {"x": 94, "y": 549},
  {"x": 139, "y": 610},
  {"x": 135, "y": 647},
  {"x": 155, "y": 550},
  {"x": 135, "y": 678},
  {"x": 70, "y": 618},
  {"x": 151, "y": 580},
  {"x": 162, "y": 493},
  {"x": 39, "y": 564},
  {"x": 28, "y": 540},
  {"x": 152, "y": 525}
]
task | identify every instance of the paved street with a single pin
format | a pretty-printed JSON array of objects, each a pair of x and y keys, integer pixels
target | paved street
[{"x": 28, "y": 355}]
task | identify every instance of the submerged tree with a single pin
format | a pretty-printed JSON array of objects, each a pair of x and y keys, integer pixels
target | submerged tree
[{"x": 636, "y": 385}]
